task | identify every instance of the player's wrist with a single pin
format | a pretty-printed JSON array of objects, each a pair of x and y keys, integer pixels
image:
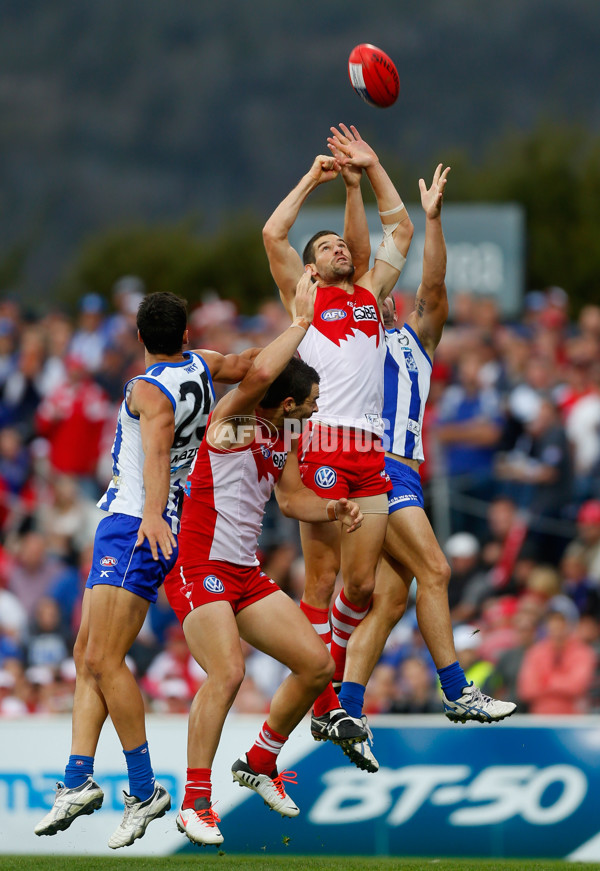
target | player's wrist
[
  {"x": 302, "y": 322},
  {"x": 331, "y": 510}
]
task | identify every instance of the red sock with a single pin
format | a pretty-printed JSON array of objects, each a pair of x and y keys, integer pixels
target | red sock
[
  {"x": 319, "y": 617},
  {"x": 262, "y": 756},
  {"x": 345, "y": 617},
  {"x": 197, "y": 786},
  {"x": 327, "y": 701}
]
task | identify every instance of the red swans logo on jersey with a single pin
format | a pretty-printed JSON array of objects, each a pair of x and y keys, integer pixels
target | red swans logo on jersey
[{"x": 373, "y": 75}]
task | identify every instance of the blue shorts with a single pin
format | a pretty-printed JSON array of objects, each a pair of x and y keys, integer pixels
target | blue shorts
[
  {"x": 119, "y": 563},
  {"x": 407, "y": 490}
]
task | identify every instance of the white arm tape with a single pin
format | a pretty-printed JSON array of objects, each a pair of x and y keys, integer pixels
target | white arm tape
[
  {"x": 387, "y": 251},
  {"x": 395, "y": 211}
]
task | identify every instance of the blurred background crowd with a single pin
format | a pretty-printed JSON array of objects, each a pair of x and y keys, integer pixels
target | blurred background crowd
[{"x": 512, "y": 482}]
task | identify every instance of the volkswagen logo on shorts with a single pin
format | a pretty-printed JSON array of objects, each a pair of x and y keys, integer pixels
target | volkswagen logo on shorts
[
  {"x": 325, "y": 477},
  {"x": 213, "y": 585}
]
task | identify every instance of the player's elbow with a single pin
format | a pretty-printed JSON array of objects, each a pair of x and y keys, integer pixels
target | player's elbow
[
  {"x": 272, "y": 235},
  {"x": 404, "y": 234},
  {"x": 285, "y": 504}
]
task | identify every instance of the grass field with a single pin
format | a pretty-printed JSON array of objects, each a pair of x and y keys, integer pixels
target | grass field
[{"x": 222, "y": 861}]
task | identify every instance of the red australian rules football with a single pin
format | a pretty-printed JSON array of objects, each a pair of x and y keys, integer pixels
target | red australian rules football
[{"x": 373, "y": 75}]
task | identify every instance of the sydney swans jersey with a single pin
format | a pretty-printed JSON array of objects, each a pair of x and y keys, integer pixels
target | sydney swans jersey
[
  {"x": 406, "y": 388},
  {"x": 345, "y": 344},
  {"x": 189, "y": 388},
  {"x": 228, "y": 493}
]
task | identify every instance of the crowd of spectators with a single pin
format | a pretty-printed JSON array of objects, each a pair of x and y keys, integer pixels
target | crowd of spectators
[{"x": 512, "y": 482}]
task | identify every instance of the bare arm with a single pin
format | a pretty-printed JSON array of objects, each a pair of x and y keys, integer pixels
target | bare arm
[
  {"x": 356, "y": 228},
  {"x": 228, "y": 368},
  {"x": 272, "y": 360},
  {"x": 284, "y": 261},
  {"x": 431, "y": 304},
  {"x": 382, "y": 278},
  {"x": 157, "y": 427},
  {"x": 296, "y": 500}
]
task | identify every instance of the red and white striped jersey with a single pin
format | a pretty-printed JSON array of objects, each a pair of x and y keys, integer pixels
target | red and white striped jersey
[
  {"x": 228, "y": 493},
  {"x": 345, "y": 344}
]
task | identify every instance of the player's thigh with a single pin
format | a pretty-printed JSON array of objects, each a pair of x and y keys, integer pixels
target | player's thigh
[
  {"x": 361, "y": 549},
  {"x": 411, "y": 542},
  {"x": 115, "y": 618},
  {"x": 276, "y": 626},
  {"x": 213, "y": 638}
]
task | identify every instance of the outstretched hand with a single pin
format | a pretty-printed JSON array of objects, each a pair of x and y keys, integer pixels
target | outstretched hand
[
  {"x": 349, "y": 514},
  {"x": 433, "y": 197},
  {"x": 351, "y": 174},
  {"x": 324, "y": 168},
  {"x": 350, "y": 148}
]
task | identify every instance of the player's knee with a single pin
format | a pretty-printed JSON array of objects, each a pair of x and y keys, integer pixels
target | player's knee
[
  {"x": 319, "y": 671},
  {"x": 359, "y": 590},
  {"x": 231, "y": 680},
  {"x": 94, "y": 660},
  {"x": 438, "y": 574},
  {"x": 395, "y": 610},
  {"x": 79, "y": 653},
  {"x": 319, "y": 588}
]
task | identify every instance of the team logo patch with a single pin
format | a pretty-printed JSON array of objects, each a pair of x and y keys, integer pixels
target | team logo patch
[
  {"x": 212, "y": 584},
  {"x": 325, "y": 477},
  {"x": 333, "y": 314},
  {"x": 365, "y": 313},
  {"x": 108, "y": 561}
]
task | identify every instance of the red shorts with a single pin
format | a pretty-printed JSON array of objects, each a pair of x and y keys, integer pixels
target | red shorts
[
  {"x": 191, "y": 587},
  {"x": 336, "y": 462}
]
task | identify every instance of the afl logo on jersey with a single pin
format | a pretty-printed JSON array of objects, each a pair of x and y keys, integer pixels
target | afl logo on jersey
[
  {"x": 333, "y": 314},
  {"x": 213, "y": 585},
  {"x": 108, "y": 561},
  {"x": 325, "y": 477}
]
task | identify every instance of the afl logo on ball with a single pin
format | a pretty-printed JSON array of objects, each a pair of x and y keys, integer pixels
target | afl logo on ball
[
  {"x": 333, "y": 314},
  {"x": 325, "y": 477},
  {"x": 108, "y": 561},
  {"x": 213, "y": 585}
]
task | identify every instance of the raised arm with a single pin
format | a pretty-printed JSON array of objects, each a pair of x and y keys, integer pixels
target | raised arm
[
  {"x": 284, "y": 261},
  {"x": 397, "y": 226},
  {"x": 431, "y": 304},
  {"x": 270, "y": 362},
  {"x": 356, "y": 228}
]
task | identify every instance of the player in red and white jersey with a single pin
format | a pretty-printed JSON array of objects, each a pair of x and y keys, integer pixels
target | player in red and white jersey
[
  {"x": 342, "y": 452},
  {"x": 218, "y": 590}
]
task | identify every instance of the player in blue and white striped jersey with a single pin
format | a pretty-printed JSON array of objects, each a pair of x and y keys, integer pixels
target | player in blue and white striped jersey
[
  {"x": 160, "y": 426},
  {"x": 411, "y": 549}
]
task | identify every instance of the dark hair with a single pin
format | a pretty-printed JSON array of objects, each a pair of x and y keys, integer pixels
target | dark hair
[
  {"x": 162, "y": 321},
  {"x": 308, "y": 255},
  {"x": 296, "y": 380}
]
